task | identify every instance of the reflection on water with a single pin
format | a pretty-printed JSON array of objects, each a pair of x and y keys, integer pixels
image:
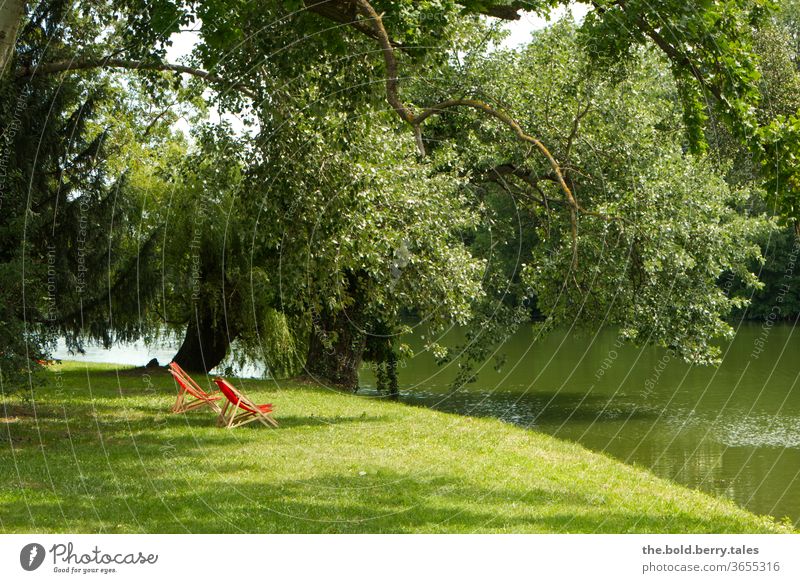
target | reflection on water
[{"x": 732, "y": 430}]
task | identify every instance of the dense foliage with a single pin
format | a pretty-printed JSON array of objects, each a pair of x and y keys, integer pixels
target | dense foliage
[
  {"x": 65, "y": 211},
  {"x": 657, "y": 225},
  {"x": 617, "y": 171}
]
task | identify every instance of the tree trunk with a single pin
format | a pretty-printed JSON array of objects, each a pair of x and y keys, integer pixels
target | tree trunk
[
  {"x": 11, "y": 12},
  {"x": 336, "y": 347},
  {"x": 205, "y": 344}
]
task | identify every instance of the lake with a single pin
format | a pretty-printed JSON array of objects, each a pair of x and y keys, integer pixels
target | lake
[{"x": 733, "y": 430}]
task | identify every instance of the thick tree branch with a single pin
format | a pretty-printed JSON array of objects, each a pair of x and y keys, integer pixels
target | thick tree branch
[
  {"x": 677, "y": 57},
  {"x": 510, "y": 123},
  {"x": 674, "y": 54},
  {"x": 392, "y": 93},
  {"x": 416, "y": 119},
  {"x": 344, "y": 12},
  {"x": 80, "y": 64}
]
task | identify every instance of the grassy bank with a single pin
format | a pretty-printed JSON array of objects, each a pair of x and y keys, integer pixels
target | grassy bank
[{"x": 98, "y": 451}]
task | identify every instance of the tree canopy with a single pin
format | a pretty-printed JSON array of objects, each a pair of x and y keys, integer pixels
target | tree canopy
[{"x": 395, "y": 166}]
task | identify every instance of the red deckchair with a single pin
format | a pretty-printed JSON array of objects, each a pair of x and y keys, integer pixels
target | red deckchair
[
  {"x": 190, "y": 394},
  {"x": 239, "y": 410}
]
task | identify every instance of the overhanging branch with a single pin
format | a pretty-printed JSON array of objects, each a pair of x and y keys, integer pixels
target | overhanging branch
[
  {"x": 80, "y": 64},
  {"x": 344, "y": 12},
  {"x": 674, "y": 53},
  {"x": 407, "y": 114}
]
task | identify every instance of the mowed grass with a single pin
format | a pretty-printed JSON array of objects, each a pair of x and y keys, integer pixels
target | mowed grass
[{"x": 99, "y": 451}]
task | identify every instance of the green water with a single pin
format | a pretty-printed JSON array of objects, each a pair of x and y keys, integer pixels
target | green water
[{"x": 732, "y": 430}]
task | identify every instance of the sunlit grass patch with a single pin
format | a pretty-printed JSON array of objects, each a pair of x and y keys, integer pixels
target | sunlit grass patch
[{"x": 97, "y": 450}]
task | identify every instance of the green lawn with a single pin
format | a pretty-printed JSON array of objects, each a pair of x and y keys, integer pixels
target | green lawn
[{"x": 99, "y": 451}]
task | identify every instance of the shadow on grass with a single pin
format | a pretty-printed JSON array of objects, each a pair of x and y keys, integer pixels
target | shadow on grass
[
  {"x": 147, "y": 420},
  {"x": 338, "y": 503},
  {"x": 137, "y": 468}
]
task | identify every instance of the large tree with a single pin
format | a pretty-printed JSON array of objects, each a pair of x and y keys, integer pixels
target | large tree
[
  {"x": 285, "y": 63},
  {"x": 656, "y": 226},
  {"x": 65, "y": 209}
]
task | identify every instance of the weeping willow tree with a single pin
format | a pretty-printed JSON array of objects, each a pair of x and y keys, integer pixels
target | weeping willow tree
[
  {"x": 76, "y": 246},
  {"x": 63, "y": 212},
  {"x": 296, "y": 251}
]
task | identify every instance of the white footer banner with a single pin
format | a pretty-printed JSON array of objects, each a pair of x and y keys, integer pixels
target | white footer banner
[{"x": 390, "y": 558}]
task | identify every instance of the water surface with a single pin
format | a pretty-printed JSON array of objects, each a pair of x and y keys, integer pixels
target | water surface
[{"x": 733, "y": 430}]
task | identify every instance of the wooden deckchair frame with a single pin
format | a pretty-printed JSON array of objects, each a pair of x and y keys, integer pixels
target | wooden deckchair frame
[
  {"x": 247, "y": 410},
  {"x": 190, "y": 394}
]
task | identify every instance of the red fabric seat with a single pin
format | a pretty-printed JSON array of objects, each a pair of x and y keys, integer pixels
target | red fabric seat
[
  {"x": 225, "y": 388},
  {"x": 236, "y": 399},
  {"x": 192, "y": 391}
]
